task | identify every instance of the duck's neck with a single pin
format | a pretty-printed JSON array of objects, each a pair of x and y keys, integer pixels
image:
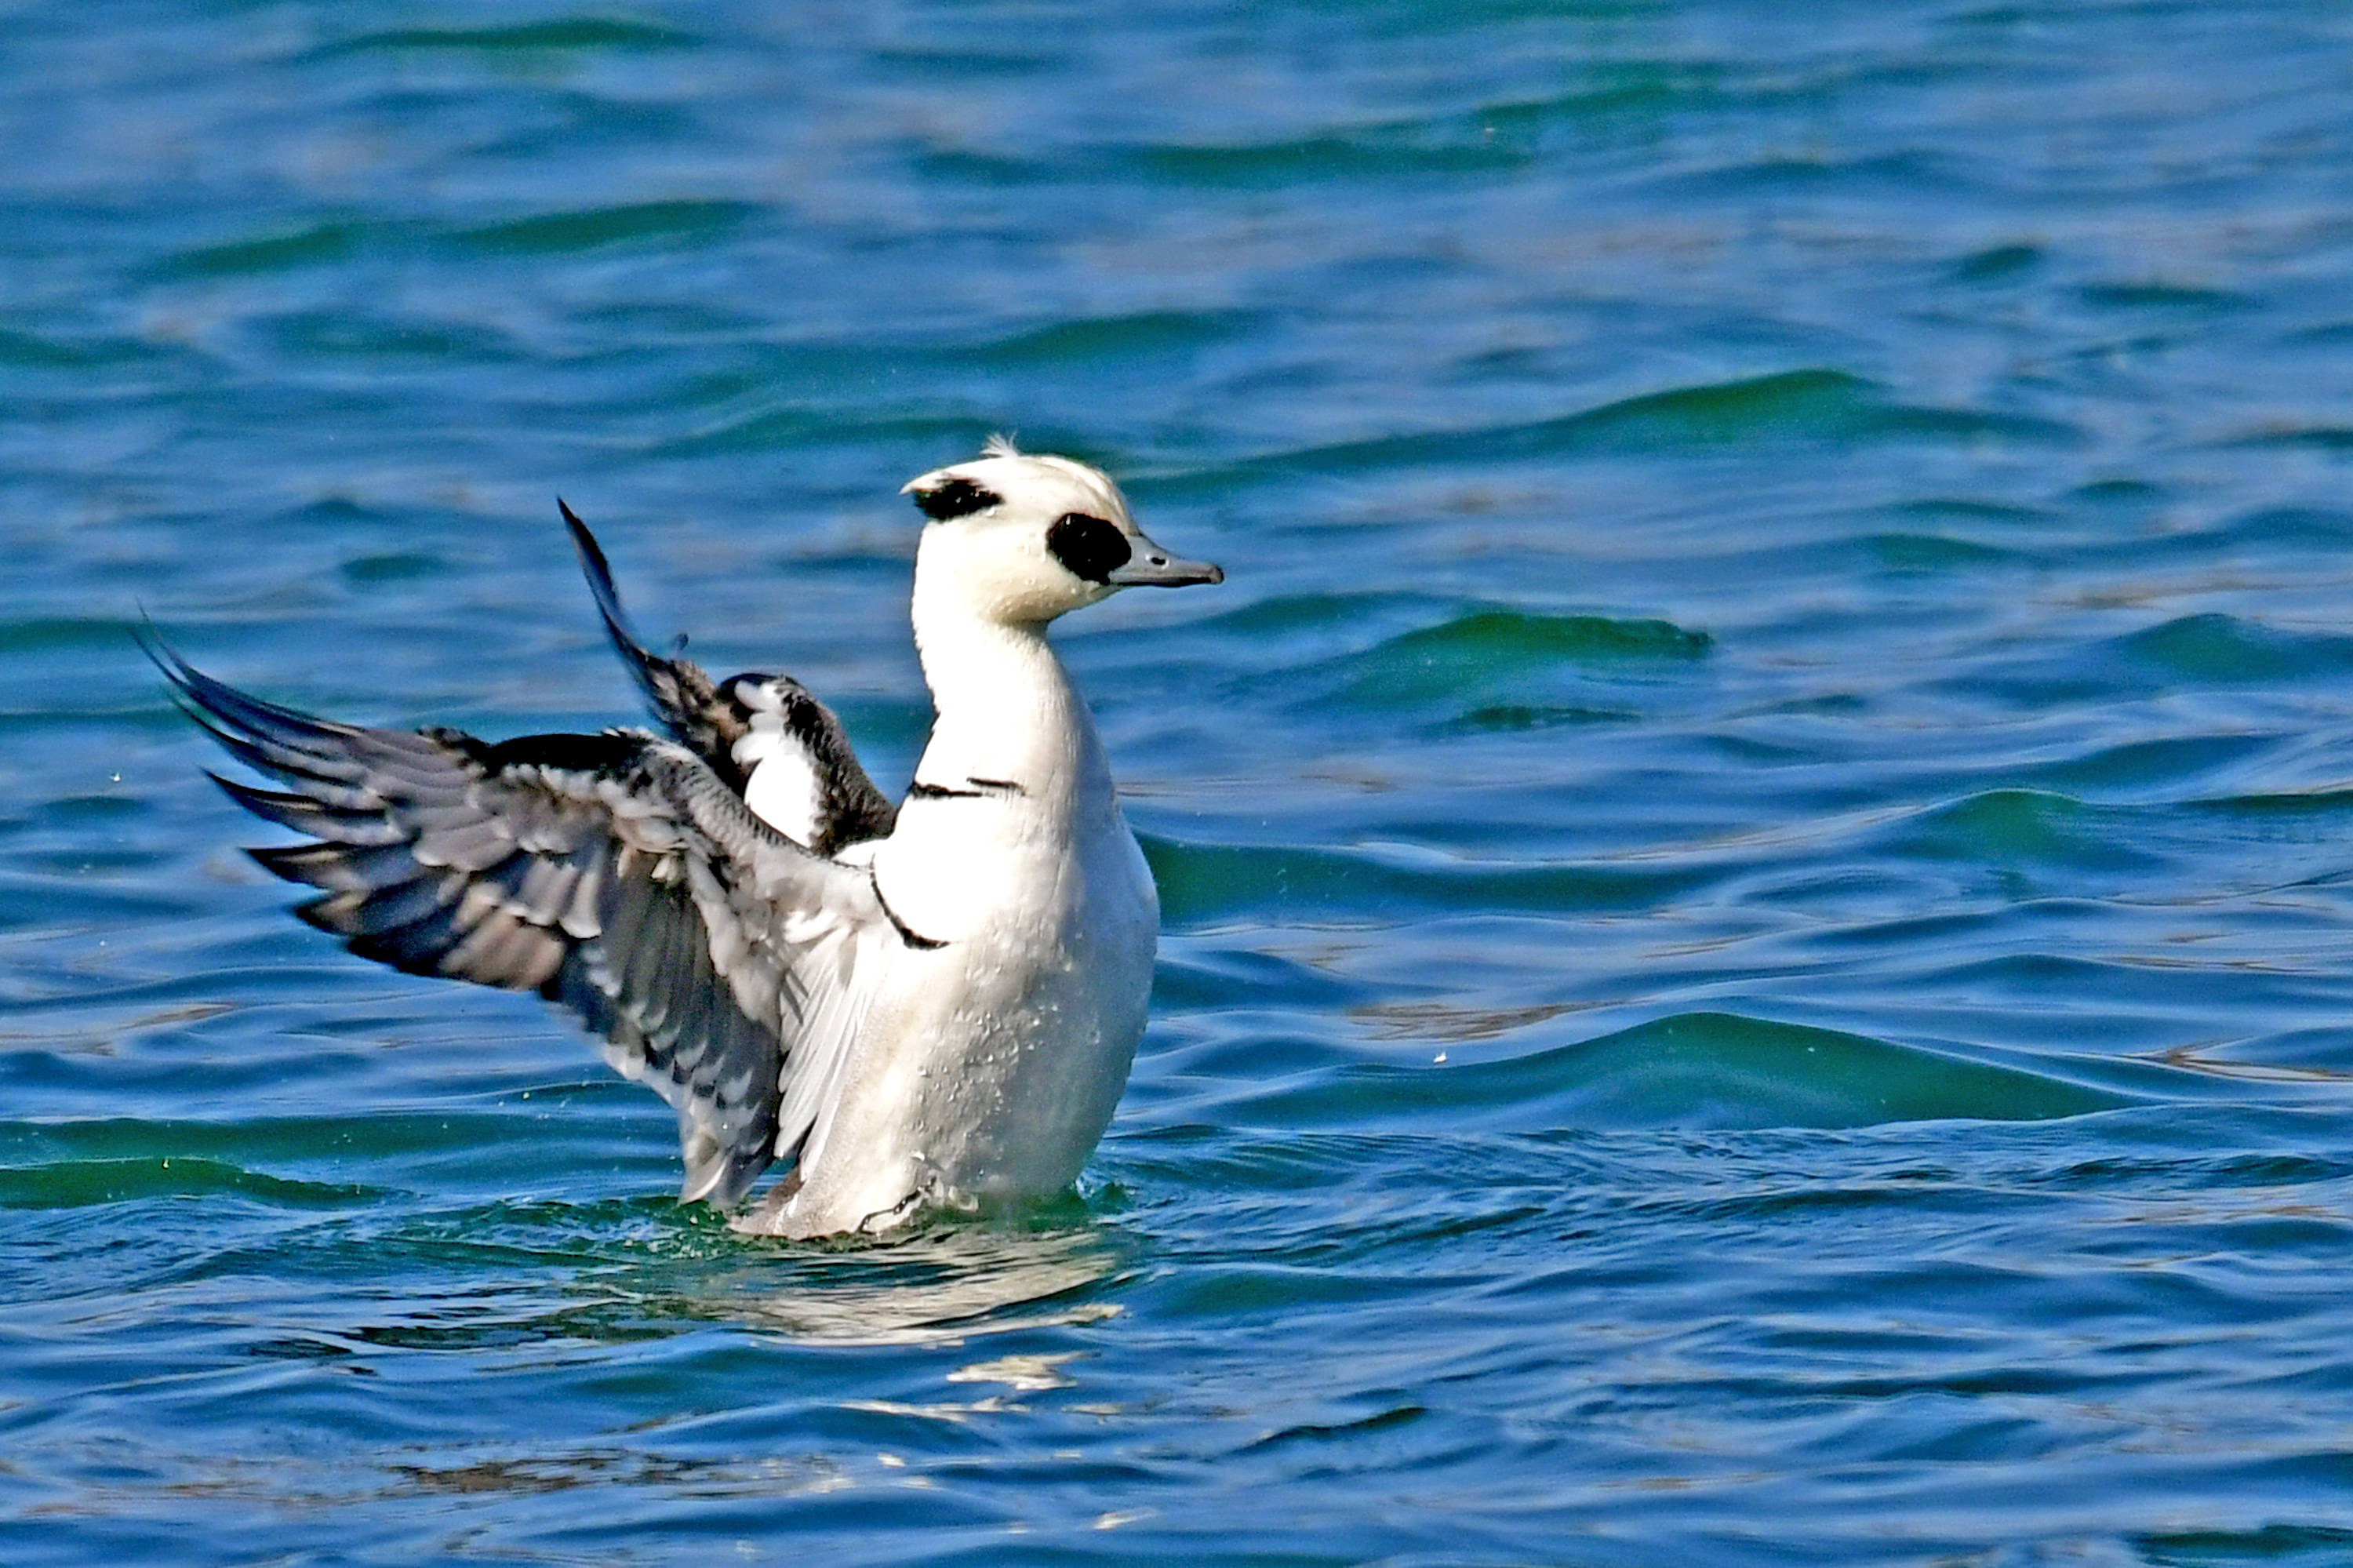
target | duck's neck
[{"x": 1008, "y": 712}]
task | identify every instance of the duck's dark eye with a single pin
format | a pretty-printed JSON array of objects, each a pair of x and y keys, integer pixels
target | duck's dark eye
[
  {"x": 956, "y": 498},
  {"x": 1092, "y": 548}
]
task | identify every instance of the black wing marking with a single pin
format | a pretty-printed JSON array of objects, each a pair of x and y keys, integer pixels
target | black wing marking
[
  {"x": 612, "y": 873},
  {"x": 788, "y": 725},
  {"x": 747, "y": 720}
]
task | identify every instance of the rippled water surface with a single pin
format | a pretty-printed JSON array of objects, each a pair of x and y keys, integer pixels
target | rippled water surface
[{"x": 1757, "y": 850}]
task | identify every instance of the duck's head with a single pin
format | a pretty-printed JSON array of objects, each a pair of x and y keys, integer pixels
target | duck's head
[{"x": 1019, "y": 539}]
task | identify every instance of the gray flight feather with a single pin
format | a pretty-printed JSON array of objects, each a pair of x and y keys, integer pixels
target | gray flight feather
[{"x": 615, "y": 875}]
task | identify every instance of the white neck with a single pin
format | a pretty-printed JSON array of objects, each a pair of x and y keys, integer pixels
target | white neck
[{"x": 1008, "y": 711}]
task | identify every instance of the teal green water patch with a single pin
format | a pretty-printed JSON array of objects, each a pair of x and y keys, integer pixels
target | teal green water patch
[
  {"x": 1697, "y": 1070},
  {"x": 2001, "y": 263},
  {"x": 1624, "y": 103},
  {"x": 1803, "y": 405},
  {"x": 23, "y": 351},
  {"x": 1618, "y": 104},
  {"x": 2273, "y": 528},
  {"x": 999, "y": 56},
  {"x": 2224, "y": 650},
  {"x": 1374, "y": 154},
  {"x": 953, "y": 167},
  {"x": 1809, "y": 407},
  {"x": 1490, "y": 638},
  {"x": 902, "y": 724},
  {"x": 32, "y": 351},
  {"x": 322, "y": 333},
  {"x": 1309, "y": 616},
  {"x": 773, "y": 430},
  {"x": 1514, "y": 718},
  {"x": 2143, "y": 765},
  {"x": 2021, "y": 829},
  {"x": 1971, "y": 426},
  {"x": 401, "y": 566},
  {"x": 1148, "y": 334},
  {"x": 316, "y": 244},
  {"x": 48, "y": 634},
  {"x": 336, "y": 512},
  {"x": 556, "y": 34},
  {"x": 593, "y": 228},
  {"x": 1496, "y": 654},
  {"x": 2319, "y": 438},
  {"x": 2271, "y": 1546},
  {"x": 1207, "y": 884},
  {"x": 2130, "y": 496},
  {"x": 84, "y": 1184},
  {"x": 2320, "y": 819},
  {"x": 1964, "y": 512},
  {"x": 68, "y": 812},
  {"x": 2295, "y": 804},
  {"x": 274, "y": 1140},
  {"x": 2163, "y": 297},
  {"x": 1927, "y": 554}
]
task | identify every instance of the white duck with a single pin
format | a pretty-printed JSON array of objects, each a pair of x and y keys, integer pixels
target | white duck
[{"x": 936, "y": 1005}]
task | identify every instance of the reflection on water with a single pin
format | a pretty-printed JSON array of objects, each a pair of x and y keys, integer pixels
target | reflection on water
[{"x": 945, "y": 1283}]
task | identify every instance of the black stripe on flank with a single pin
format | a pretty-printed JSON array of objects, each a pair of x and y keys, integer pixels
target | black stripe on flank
[{"x": 920, "y": 790}]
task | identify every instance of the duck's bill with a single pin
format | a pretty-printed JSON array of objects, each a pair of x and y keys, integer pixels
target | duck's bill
[{"x": 1152, "y": 566}]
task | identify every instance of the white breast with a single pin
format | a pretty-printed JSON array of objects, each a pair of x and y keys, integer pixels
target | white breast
[{"x": 989, "y": 1067}]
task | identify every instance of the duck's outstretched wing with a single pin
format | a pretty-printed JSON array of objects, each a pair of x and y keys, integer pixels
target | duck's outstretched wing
[
  {"x": 615, "y": 874},
  {"x": 819, "y": 797}
]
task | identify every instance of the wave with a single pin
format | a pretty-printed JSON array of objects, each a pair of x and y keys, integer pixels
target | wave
[
  {"x": 593, "y": 227},
  {"x": 1697, "y": 1070},
  {"x": 555, "y": 33},
  {"x": 84, "y": 1184},
  {"x": 1808, "y": 405},
  {"x": 1207, "y": 884}
]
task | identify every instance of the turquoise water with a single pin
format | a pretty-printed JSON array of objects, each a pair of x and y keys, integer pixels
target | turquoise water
[{"x": 1757, "y": 849}]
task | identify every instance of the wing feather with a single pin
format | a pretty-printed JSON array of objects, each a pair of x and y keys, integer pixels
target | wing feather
[
  {"x": 617, "y": 875},
  {"x": 744, "y": 723}
]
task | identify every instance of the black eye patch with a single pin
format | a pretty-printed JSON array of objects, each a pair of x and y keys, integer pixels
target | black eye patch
[
  {"x": 1092, "y": 548},
  {"x": 956, "y": 498}
]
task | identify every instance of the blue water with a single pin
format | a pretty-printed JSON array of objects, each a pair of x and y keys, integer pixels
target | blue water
[{"x": 1757, "y": 849}]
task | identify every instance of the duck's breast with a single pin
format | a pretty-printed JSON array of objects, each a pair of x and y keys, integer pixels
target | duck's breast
[{"x": 991, "y": 1063}]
